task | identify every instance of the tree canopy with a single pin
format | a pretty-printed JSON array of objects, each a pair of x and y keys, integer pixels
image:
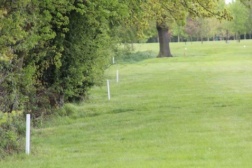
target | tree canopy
[
  {"x": 165, "y": 13},
  {"x": 53, "y": 51}
]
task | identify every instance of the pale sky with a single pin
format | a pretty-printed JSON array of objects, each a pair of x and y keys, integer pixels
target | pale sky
[{"x": 228, "y": 1}]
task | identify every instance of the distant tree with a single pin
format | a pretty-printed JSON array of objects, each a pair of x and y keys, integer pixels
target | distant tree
[
  {"x": 198, "y": 28},
  {"x": 191, "y": 28},
  {"x": 179, "y": 31},
  {"x": 240, "y": 18},
  {"x": 247, "y": 3},
  {"x": 214, "y": 27},
  {"x": 249, "y": 22},
  {"x": 165, "y": 13}
]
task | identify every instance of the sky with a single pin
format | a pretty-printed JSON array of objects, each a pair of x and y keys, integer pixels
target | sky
[{"x": 228, "y": 1}]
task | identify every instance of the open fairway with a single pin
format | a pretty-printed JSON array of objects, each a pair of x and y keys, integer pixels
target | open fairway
[{"x": 191, "y": 110}]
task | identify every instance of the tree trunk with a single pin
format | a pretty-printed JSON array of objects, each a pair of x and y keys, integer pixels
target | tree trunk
[
  {"x": 227, "y": 36},
  {"x": 239, "y": 37},
  {"x": 164, "y": 40}
]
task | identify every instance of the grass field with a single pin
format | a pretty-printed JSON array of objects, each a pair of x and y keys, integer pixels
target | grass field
[{"x": 191, "y": 110}]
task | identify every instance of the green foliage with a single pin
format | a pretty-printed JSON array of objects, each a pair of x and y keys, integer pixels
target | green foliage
[
  {"x": 247, "y": 3},
  {"x": 173, "y": 11},
  {"x": 12, "y": 134},
  {"x": 68, "y": 110},
  {"x": 240, "y": 17},
  {"x": 126, "y": 55},
  {"x": 54, "y": 51},
  {"x": 85, "y": 55},
  {"x": 221, "y": 29}
]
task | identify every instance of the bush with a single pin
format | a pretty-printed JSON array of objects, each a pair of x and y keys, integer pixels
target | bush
[
  {"x": 132, "y": 57},
  {"x": 69, "y": 110},
  {"x": 12, "y": 133}
]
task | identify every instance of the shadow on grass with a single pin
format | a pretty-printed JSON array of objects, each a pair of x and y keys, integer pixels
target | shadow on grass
[
  {"x": 134, "y": 57},
  {"x": 121, "y": 110}
]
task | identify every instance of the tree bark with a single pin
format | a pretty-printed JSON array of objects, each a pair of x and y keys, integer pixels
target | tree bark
[
  {"x": 227, "y": 36},
  {"x": 164, "y": 40},
  {"x": 239, "y": 37}
]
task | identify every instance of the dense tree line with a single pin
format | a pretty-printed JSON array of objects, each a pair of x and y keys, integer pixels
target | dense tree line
[
  {"x": 205, "y": 29},
  {"x": 53, "y": 51}
]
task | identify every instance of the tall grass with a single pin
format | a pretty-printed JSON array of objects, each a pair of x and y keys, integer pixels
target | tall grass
[{"x": 192, "y": 110}]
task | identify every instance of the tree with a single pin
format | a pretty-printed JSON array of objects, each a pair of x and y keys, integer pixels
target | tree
[
  {"x": 178, "y": 30},
  {"x": 247, "y": 3},
  {"x": 17, "y": 38},
  {"x": 165, "y": 13},
  {"x": 198, "y": 28},
  {"x": 87, "y": 47},
  {"x": 240, "y": 18},
  {"x": 249, "y": 24},
  {"x": 211, "y": 27},
  {"x": 53, "y": 51},
  {"x": 192, "y": 28}
]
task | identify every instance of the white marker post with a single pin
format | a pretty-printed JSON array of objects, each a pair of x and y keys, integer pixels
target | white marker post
[
  {"x": 113, "y": 60},
  {"x": 108, "y": 87},
  {"x": 27, "y": 146},
  {"x": 117, "y": 76}
]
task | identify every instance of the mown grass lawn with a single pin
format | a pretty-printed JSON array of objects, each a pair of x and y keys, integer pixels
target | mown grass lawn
[{"x": 191, "y": 110}]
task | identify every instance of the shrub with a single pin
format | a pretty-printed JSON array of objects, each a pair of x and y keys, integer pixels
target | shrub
[
  {"x": 132, "y": 57},
  {"x": 69, "y": 110},
  {"x": 12, "y": 133}
]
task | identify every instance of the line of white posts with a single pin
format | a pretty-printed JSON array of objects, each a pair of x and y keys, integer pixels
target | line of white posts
[{"x": 28, "y": 118}]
